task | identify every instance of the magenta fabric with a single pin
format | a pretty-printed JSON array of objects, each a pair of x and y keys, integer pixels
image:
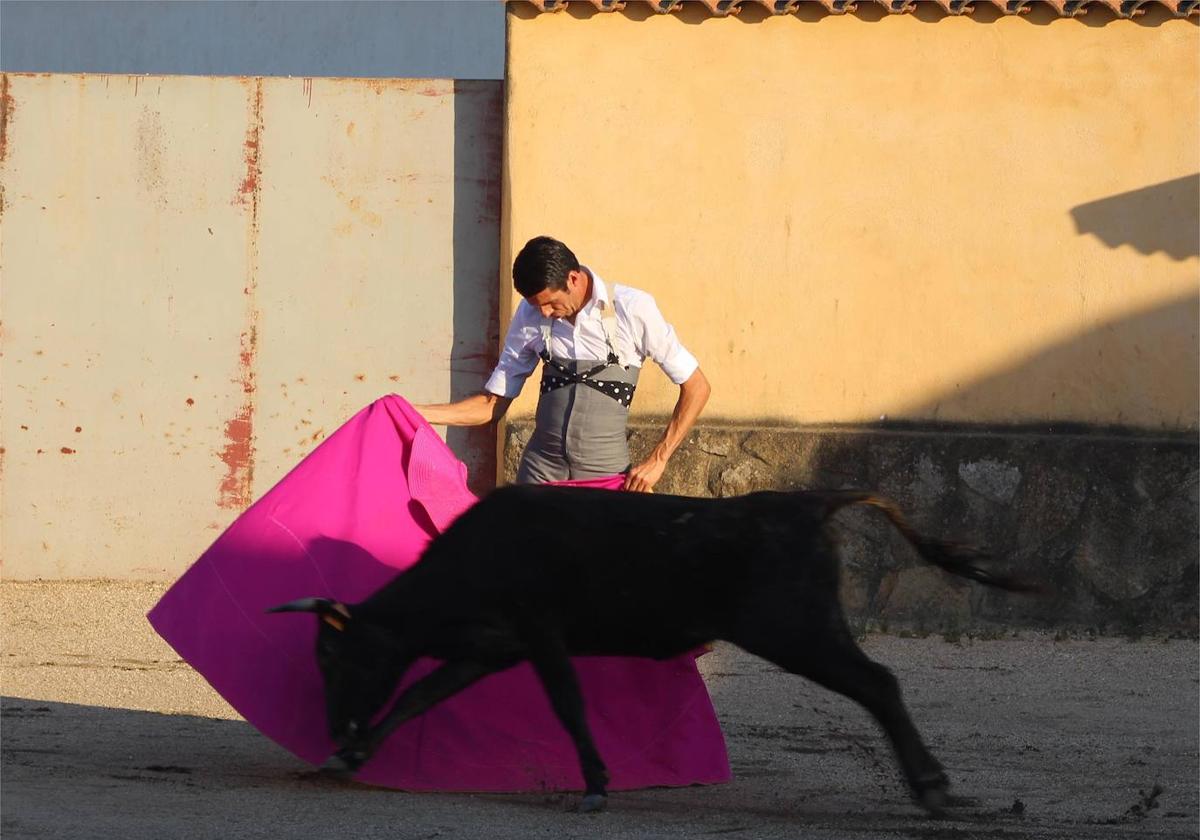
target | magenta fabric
[{"x": 351, "y": 515}]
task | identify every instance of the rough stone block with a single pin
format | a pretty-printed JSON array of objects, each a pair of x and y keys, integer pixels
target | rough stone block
[
  {"x": 740, "y": 476},
  {"x": 1107, "y": 522},
  {"x": 927, "y": 598}
]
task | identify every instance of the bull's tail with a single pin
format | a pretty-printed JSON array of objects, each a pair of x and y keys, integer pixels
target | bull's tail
[{"x": 956, "y": 558}]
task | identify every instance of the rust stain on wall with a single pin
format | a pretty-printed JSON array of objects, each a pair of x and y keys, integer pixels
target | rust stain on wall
[
  {"x": 6, "y": 111},
  {"x": 238, "y": 454},
  {"x": 7, "y": 107},
  {"x": 248, "y": 189}
]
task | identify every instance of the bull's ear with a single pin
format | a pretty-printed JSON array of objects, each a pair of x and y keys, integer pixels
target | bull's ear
[{"x": 333, "y": 613}]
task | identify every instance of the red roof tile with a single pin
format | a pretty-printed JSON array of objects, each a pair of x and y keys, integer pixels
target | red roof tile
[{"x": 722, "y": 8}]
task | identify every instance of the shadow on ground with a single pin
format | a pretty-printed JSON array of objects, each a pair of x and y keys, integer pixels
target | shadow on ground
[{"x": 1041, "y": 739}]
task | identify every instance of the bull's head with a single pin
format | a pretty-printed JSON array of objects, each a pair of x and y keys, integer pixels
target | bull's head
[{"x": 360, "y": 666}]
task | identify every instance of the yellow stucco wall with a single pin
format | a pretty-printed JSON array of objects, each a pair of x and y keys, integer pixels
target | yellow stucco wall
[
  {"x": 848, "y": 218},
  {"x": 203, "y": 277}
]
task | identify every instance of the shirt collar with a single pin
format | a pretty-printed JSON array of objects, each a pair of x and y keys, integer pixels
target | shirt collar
[{"x": 599, "y": 293}]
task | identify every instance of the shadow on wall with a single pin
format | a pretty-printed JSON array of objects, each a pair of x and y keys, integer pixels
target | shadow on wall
[
  {"x": 478, "y": 123},
  {"x": 1151, "y": 361},
  {"x": 1108, "y": 522},
  {"x": 1106, "y": 518},
  {"x": 1162, "y": 217}
]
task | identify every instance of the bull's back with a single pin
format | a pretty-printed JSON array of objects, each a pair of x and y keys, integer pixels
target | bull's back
[{"x": 605, "y": 565}]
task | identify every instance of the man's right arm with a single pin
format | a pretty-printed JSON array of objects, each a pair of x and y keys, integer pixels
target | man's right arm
[
  {"x": 517, "y": 360},
  {"x": 476, "y": 410}
]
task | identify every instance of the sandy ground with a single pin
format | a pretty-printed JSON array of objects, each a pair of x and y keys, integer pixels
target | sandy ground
[{"x": 105, "y": 733}]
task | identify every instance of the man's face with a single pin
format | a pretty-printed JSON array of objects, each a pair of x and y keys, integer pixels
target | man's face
[{"x": 562, "y": 303}]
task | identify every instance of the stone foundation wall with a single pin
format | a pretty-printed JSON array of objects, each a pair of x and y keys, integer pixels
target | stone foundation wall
[{"x": 1109, "y": 521}]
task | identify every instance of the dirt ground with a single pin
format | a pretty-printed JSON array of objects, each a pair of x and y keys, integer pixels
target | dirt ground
[{"x": 106, "y": 733}]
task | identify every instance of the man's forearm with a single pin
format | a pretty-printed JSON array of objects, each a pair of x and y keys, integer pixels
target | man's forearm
[
  {"x": 693, "y": 394},
  {"x": 473, "y": 411}
]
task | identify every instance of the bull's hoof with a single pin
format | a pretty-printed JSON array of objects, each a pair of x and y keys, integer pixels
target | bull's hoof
[
  {"x": 933, "y": 794},
  {"x": 933, "y": 801},
  {"x": 334, "y": 771},
  {"x": 593, "y": 803},
  {"x": 351, "y": 759}
]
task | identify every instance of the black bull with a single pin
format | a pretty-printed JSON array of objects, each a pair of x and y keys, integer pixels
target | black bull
[{"x": 544, "y": 573}]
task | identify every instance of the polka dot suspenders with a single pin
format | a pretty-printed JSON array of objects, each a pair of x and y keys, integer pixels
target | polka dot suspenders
[{"x": 622, "y": 392}]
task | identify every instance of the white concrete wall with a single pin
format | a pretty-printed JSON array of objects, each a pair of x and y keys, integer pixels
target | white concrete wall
[{"x": 203, "y": 277}]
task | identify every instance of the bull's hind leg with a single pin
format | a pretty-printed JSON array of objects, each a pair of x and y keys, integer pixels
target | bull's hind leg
[
  {"x": 558, "y": 677},
  {"x": 823, "y": 650}
]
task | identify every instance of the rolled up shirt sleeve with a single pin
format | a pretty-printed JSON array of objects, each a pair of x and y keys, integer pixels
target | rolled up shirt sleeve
[
  {"x": 518, "y": 357},
  {"x": 659, "y": 342}
]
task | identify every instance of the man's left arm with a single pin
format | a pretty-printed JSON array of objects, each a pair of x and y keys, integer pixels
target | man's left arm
[{"x": 693, "y": 394}]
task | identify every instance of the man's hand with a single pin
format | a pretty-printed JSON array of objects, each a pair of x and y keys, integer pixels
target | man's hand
[
  {"x": 693, "y": 394},
  {"x": 644, "y": 476}
]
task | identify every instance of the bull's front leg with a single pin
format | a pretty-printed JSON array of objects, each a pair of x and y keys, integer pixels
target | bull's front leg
[
  {"x": 446, "y": 681},
  {"x": 558, "y": 677}
]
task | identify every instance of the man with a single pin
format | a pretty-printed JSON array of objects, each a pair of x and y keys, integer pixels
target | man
[{"x": 592, "y": 338}]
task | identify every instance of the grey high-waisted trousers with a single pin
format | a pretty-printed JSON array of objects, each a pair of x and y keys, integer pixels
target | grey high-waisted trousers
[{"x": 579, "y": 431}]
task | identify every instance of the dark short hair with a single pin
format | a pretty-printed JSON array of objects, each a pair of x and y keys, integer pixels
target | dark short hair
[{"x": 543, "y": 263}]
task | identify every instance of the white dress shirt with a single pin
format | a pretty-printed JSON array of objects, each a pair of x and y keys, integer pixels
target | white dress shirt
[{"x": 642, "y": 333}]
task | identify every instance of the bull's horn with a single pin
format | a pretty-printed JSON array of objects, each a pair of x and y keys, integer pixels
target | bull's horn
[{"x": 321, "y": 606}]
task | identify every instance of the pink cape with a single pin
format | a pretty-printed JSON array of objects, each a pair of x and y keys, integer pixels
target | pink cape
[{"x": 351, "y": 515}]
